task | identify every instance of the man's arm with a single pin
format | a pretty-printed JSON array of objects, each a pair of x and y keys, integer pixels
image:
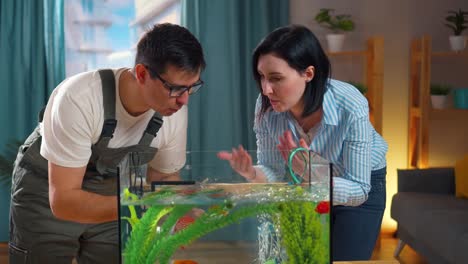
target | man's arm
[
  {"x": 154, "y": 175},
  {"x": 69, "y": 202}
]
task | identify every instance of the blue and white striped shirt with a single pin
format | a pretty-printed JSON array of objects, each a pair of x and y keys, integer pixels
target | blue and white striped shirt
[{"x": 345, "y": 138}]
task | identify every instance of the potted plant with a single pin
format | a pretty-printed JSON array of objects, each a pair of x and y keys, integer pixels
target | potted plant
[
  {"x": 439, "y": 94},
  {"x": 337, "y": 24},
  {"x": 363, "y": 89},
  {"x": 360, "y": 86},
  {"x": 457, "y": 21}
]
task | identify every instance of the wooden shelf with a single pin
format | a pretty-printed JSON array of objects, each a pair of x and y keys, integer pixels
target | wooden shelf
[
  {"x": 450, "y": 54},
  {"x": 415, "y": 111},
  {"x": 448, "y": 113},
  {"x": 420, "y": 110},
  {"x": 373, "y": 77},
  {"x": 348, "y": 53},
  {"x": 418, "y": 55}
]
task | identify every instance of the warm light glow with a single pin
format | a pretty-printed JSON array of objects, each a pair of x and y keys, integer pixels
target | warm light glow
[
  {"x": 395, "y": 130},
  {"x": 396, "y": 159}
]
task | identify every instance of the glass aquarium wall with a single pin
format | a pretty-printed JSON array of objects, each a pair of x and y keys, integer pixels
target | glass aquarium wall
[{"x": 214, "y": 215}]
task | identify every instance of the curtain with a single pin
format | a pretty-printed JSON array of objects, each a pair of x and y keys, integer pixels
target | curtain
[
  {"x": 32, "y": 56},
  {"x": 221, "y": 114},
  {"x": 54, "y": 42}
]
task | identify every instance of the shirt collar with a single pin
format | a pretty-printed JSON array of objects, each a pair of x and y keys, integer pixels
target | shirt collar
[{"x": 330, "y": 108}]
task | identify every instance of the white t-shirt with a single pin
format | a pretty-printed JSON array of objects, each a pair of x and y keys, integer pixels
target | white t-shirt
[{"x": 74, "y": 117}]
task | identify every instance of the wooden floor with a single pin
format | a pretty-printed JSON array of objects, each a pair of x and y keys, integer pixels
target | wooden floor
[
  {"x": 385, "y": 252},
  {"x": 3, "y": 253},
  {"x": 387, "y": 247}
]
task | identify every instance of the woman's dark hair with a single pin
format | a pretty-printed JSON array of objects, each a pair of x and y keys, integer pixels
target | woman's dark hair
[
  {"x": 169, "y": 44},
  {"x": 299, "y": 47}
]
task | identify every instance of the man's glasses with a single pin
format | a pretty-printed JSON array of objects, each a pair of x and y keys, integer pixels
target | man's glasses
[{"x": 177, "y": 90}]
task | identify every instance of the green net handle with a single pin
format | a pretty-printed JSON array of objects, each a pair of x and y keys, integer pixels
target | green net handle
[{"x": 293, "y": 175}]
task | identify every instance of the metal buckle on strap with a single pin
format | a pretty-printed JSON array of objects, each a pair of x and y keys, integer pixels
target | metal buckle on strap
[
  {"x": 154, "y": 125},
  {"x": 108, "y": 128}
]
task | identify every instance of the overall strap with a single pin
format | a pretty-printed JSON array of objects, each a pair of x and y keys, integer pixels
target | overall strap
[
  {"x": 152, "y": 129},
  {"x": 108, "y": 98},
  {"x": 41, "y": 114}
]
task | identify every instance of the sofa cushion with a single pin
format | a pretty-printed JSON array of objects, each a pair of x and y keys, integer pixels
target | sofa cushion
[
  {"x": 461, "y": 178},
  {"x": 432, "y": 180},
  {"x": 443, "y": 231},
  {"x": 407, "y": 206},
  {"x": 438, "y": 221},
  {"x": 461, "y": 252}
]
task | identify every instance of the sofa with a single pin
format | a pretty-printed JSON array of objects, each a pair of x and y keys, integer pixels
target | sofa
[{"x": 431, "y": 219}]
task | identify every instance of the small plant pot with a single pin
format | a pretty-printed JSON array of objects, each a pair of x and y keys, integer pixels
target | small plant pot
[
  {"x": 457, "y": 43},
  {"x": 439, "y": 101},
  {"x": 460, "y": 97},
  {"x": 335, "y": 42}
]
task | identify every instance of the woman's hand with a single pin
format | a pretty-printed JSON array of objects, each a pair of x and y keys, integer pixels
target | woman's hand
[
  {"x": 287, "y": 145},
  {"x": 240, "y": 161}
]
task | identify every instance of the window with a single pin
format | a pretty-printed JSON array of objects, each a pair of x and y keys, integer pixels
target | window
[{"x": 104, "y": 33}]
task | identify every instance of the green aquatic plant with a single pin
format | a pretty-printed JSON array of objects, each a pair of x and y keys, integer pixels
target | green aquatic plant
[
  {"x": 148, "y": 244},
  {"x": 133, "y": 219},
  {"x": 302, "y": 233},
  {"x": 159, "y": 248},
  {"x": 210, "y": 221},
  {"x": 152, "y": 239},
  {"x": 144, "y": 233}
]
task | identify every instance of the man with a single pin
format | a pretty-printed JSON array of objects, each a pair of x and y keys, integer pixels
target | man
[{"x": 64, "y": 202}]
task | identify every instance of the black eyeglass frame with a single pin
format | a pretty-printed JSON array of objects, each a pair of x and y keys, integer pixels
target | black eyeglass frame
[{"x": 177, "y": 90}]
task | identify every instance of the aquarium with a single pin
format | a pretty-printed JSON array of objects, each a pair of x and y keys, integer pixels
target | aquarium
[{"x": 213, "y": 215}]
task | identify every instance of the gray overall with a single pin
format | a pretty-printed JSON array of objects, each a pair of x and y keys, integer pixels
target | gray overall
[{"x": 36, "y": 236}]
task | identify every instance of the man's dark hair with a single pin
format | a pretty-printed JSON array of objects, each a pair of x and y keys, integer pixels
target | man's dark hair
[
  {"x": 299, "y": 47},
  {"x": 168, "y": 44}
]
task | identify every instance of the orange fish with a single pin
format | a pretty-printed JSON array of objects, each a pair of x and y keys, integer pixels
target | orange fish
[
  {"x": 182, "y": 223},
  {"x": 184, "y": 261},
  {"x": 323, "y": 207}
]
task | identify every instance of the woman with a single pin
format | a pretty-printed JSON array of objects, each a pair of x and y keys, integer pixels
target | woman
[{"x": 300, "y": 106}]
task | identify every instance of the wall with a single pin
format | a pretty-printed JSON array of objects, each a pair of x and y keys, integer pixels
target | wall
[
  {"x": 398, "y": 22},
  {"x": 447, "y": 136}
]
